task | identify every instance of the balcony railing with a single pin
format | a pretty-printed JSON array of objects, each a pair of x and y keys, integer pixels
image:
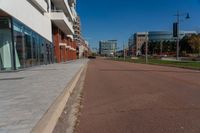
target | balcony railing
[{"x": 64, "y": 5}]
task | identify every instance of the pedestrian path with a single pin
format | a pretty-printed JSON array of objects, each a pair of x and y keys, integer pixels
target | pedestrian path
[{"x": 26, "y": 95}]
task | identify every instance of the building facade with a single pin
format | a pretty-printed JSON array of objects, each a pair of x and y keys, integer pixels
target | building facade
[
  {"x": 140, "y": 39},
  {"x": 108, "y": 48},
  {"x": 77, "y": 34},
  {"x": 161, "y": 42},
  {"x": 82, "y": 45},
  {"x": 155, "y": 36},
  {"x": 83, "y": 49},
  {"x": 131, "y": 46},
  {"x": 160, "y": 36},
  {"x": 36, "y": 32},
  {"x": 63, "y": 15},
  {"x": 137, "y": 40}
]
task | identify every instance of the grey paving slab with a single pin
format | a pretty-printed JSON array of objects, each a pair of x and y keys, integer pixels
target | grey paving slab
[{"x": 26, "y": 95}]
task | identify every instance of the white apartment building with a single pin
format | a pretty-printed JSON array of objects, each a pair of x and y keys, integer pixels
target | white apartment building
[{"x": 35, "y": 32}]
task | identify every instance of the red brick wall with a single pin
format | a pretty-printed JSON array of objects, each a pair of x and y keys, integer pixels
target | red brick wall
[{"x": 61, "y": 53}]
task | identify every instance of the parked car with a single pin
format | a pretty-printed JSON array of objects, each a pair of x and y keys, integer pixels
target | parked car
[{"x": 91, "y": 57}]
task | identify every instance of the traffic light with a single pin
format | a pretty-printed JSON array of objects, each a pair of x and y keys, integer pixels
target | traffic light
[{"x": 175, "y": 29}]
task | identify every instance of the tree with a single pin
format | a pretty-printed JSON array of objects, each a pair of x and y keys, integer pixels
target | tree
[
  {"x": 184, "y": 46},
  {"x": 194, "y": 42}
]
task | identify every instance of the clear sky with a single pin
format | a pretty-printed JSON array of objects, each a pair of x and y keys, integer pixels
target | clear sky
[{"x": 118, "y": 19}]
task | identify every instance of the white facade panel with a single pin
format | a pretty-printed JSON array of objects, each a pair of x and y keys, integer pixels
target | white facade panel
[{"x": 29, "y": 15}]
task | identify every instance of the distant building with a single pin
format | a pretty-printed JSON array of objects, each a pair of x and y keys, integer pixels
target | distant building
[
  {"x": 137, "y": 40},
  {"x": 77, "y": 30},
  {"x": 107, "y": 48},
  {"x": 159, "y": 36},
  {"x": 140, "y": 39},
  {"x": 131, "y": 46},
  {"x": 189, "y": 33},
  {"x": 83, "y": 48},
  {"x": 77, "y": 35}
]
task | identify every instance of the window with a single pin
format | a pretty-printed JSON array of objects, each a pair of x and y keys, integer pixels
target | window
[{"x": 5, "y": 44}]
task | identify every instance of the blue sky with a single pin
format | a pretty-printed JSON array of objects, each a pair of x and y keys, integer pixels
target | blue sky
[{"x": 118, "y": 19}]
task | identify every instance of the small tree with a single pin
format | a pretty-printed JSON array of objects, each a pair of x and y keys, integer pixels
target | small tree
[{"x": 185, "y": 46}]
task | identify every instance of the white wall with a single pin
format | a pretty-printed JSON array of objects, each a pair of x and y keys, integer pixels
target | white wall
[
  {"x": 29, "y": 15},
  {"x": 82, "y": 49}
]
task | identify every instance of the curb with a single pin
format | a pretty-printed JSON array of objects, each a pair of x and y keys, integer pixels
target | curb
[{"x": 49, "y": 120}]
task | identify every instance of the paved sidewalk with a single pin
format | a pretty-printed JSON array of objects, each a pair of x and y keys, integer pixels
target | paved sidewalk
[{"x": 26, "y": 95}]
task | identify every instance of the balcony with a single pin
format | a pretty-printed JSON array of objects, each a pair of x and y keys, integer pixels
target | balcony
[
  {"x": 62, "y": 44},
  {"x": 64, "y": 5},
  {"x": 40, "y": 4},
  {"x": 62, "y": 22},
  {"x": 71, "y": 2}
]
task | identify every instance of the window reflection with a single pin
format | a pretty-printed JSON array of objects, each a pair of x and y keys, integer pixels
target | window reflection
[
  {"x": 5, "y": 44},
  {"x": 31, "y": 48}
]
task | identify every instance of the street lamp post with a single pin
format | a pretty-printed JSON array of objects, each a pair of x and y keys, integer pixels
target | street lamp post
[
  {"x": 146, "y": 49},
  {"x": 124, "y": 52},
  {"x": 146, "y": 52},
  {"x": 178, "y": 15}
]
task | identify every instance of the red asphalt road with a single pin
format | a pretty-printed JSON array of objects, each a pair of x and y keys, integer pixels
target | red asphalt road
[{"x": 122, "y": 97}]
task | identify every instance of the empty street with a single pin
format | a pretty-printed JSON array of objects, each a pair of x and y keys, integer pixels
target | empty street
[{"x": 123, "y": 97}]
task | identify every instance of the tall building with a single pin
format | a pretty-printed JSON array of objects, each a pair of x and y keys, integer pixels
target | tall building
[
  {"x": 77, "y": 34},
  {"x": 108, "y": 48},
  {"x": 77, "y": 30},
  {"x": 82, "y": 45},
  {"x": 36, "y": 32}
]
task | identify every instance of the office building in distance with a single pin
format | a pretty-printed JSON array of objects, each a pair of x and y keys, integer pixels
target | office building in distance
[
  {"x": 107, "y": 48},
  {"x": 137, "y": 40}
]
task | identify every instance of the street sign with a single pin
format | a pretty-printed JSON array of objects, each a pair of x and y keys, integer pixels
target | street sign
[{"x": 175, "y": 29}]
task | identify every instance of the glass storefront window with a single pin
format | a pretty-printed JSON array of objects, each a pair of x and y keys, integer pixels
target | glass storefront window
[
  {"x": 35, "y": 45},
  {"x": 19, "y": 45},
  {"x": 5, "y": 44},
  {"x": 29, "y": 47},
  {"x": 42, "y": 51},
  {"x": 49, "y": 53}
]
